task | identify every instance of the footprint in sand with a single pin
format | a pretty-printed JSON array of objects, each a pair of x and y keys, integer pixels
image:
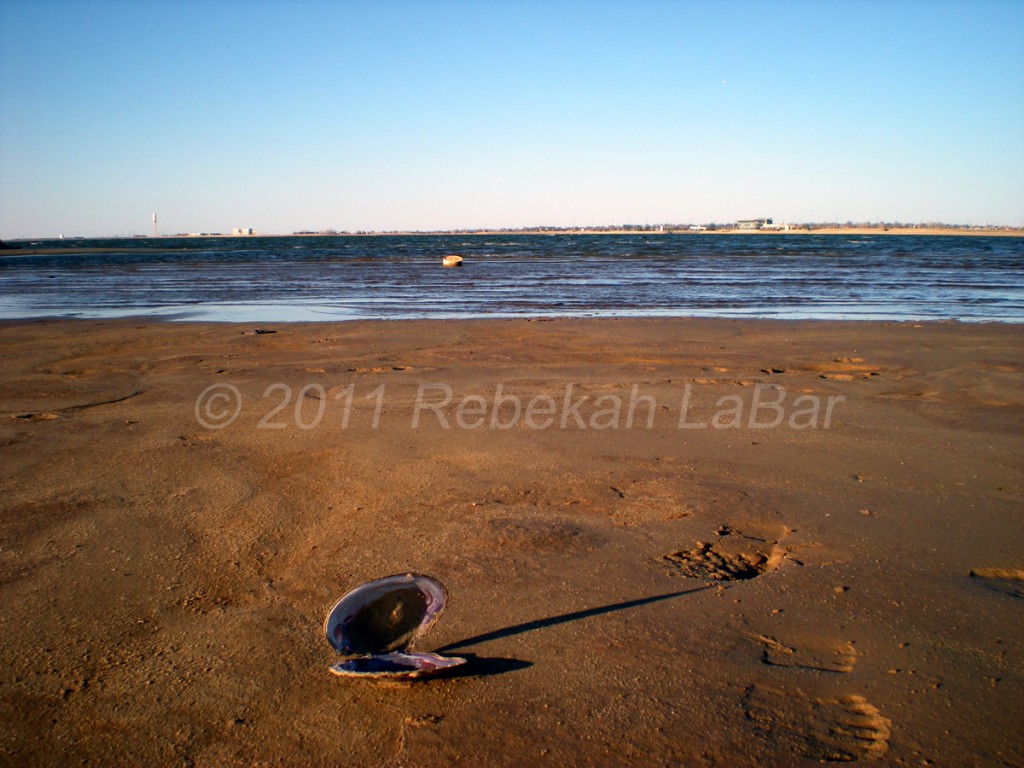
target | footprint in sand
[
  {"x": 844, "y": 369},
  {"x": 842, "y": 729},
  {"x": 1009, "y": 581},
  {"x": 539, "y": 535},
  {"x": 734, "y": 556},
  {"x": 822, "y": 654},
  {"x": 381, "y": 369},
  {"x": 35, "y": 416}
]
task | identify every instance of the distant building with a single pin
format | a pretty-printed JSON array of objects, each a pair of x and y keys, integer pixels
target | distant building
[
  {"x": 242, "y": 231},
  {"x": 753, "y": 223}
]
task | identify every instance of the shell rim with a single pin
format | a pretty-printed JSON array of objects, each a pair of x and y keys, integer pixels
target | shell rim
[{"x": 410, "y": 672}]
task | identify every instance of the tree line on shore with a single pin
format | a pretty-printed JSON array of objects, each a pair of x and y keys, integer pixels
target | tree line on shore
[{"x": 881, "y": 226}]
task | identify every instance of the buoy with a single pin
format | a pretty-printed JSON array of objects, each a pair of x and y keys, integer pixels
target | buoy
[{"x": 451, "y": 261}]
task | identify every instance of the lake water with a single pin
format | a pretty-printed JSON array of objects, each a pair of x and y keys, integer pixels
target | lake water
[{"x": 264, "y": 279}]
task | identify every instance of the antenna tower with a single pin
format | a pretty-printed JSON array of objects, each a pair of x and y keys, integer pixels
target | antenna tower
[{"x": 154, "y": 225}]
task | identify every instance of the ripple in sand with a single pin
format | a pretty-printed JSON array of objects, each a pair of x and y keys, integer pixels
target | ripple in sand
[{"x": 1009, "y": 581}]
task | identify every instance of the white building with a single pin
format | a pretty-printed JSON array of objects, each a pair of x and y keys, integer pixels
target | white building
[{"x": 753, "y": 223}]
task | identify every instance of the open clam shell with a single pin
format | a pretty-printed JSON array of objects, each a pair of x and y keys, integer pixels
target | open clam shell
[{"x": 377, "y": 623}]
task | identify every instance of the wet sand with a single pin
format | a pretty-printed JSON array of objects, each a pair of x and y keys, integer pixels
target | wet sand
[{"x": 699, "y": 542}]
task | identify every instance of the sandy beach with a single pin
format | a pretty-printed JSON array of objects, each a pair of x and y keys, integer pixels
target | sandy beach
[{"x": 665, "y": 542}]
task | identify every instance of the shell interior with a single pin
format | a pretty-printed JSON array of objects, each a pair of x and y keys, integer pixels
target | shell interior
[{"x": 386, "y": 615}]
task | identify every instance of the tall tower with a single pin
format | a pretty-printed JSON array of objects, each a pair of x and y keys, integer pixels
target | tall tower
[{"x": 154, "y": 225}]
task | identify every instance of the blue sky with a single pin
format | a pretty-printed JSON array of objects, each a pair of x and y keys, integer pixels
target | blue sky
[{"x": 286, "y": 116}]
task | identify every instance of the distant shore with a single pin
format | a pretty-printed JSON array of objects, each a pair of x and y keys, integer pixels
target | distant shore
[
  {"x": 1002, "y": 232},
  {"x": 24, "y": 246},
  {"x": 796, "y": 230}
]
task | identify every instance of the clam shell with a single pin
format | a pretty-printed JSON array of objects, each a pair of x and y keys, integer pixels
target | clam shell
[{"x": 377, "y": 623}]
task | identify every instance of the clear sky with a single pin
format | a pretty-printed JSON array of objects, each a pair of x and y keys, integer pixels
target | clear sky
[{"x": 285, "y": 116}]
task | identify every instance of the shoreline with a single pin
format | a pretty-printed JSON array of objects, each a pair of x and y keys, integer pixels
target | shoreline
[
  {"x": 142, "y": 321},
  {"x": 172, "y": 319},
  {"x": 664, "y": 540}
]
